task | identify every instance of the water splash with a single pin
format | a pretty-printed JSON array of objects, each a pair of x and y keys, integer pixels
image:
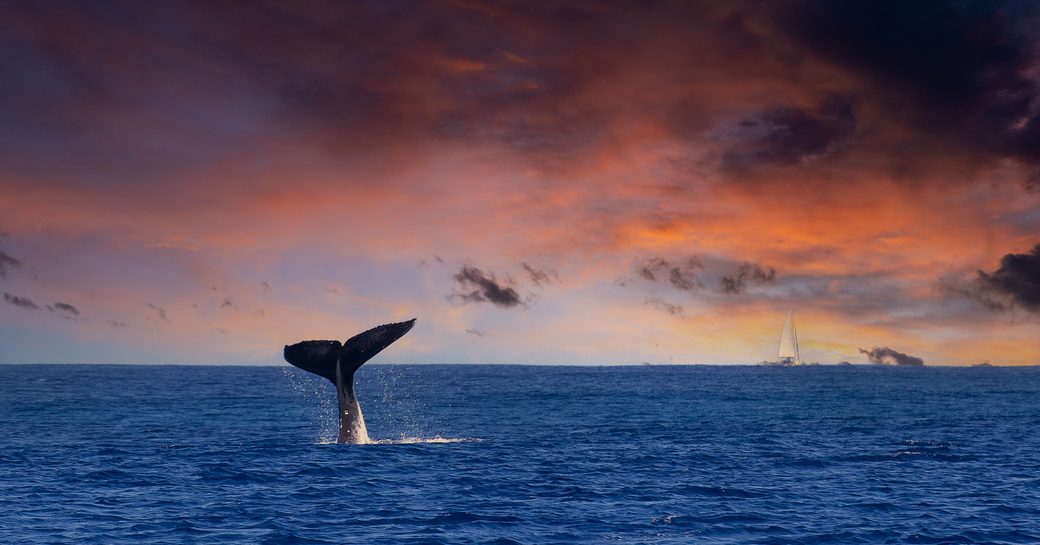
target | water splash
[
  {"x": 313, "y": 390},
  {"x": 411, "y": 441},
  {"x": 426, "y": 440},
  {"x": 391, "y": 389}
]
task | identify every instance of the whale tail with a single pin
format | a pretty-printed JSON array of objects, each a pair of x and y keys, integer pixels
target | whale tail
[{"x": 320, "y": 357}]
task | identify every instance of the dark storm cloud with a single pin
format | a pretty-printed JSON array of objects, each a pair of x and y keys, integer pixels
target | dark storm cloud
[
  {"x": 65, "y": 309},
  {"x": 954, "y": 72},
  {"x": 736, "y": 282},
  {"x": 947, "y": 57},
  {"x": 538, "y": 78},
  {"x": 358, "y": 75},
  {"x": 1015, "y": 283},
  {"x": 476, "y": 286},
  {"x": 887, "y": 356},
  {"x": 789, "y": 135},
  {"x": 551, "y": 81},
  {"x": 77, "y": 73},
  {"x": 22, "y": 302},
  {"x": 6, "y": 263}
]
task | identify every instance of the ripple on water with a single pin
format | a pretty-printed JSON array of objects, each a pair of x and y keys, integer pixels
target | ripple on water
[{"x": 521, "y": 455}]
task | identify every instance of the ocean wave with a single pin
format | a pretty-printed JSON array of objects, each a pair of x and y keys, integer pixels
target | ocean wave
[{"x": 480, "y": 456}]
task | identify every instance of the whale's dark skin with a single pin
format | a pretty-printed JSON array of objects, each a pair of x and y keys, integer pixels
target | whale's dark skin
[{"x": 338, "y": 363}]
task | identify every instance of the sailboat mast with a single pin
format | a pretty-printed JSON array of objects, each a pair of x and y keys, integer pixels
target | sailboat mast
[{"x": 794, "y": 335}]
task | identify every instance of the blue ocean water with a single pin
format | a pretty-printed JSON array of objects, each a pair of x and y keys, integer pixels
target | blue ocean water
[{"x": 521, "y": 454}]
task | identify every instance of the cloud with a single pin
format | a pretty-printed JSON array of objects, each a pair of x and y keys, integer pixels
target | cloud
[
  {"x": 682, "y": 276},
  {"x": 476, "y": 286},
  {"x": 1015, "y": 283},
  {"x": 159, "y": 311},
  {"x": 977, "y": 292},
  {"x": 476, "y": 331},
  {"x": 427, "y": 262},
  {"x": 689, "y": 274},
  {"x": 565, "y": 127},
  {"x": 540, "y": 277},
  {"x": 887, "y": 356},
  {"x": 789, "y": 135},
  {"x": 22, "y": 302},
  {"x": 736, "y": 283},
  {"x": 7, "y": 262},
  {"x": 479, "y": 287},
  {"x": 651, "y": 268},
  {"x": 946, "y": 57},
  {"x": 65, "y": 309},
  {"x": 953, "y": 73},
  {"x": 664, "y": 306}
]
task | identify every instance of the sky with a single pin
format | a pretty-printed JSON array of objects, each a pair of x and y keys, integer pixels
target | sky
[{"x": 572, "y": 182}]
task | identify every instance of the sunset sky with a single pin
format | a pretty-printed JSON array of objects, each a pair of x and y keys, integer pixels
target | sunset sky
[{"x": 550, "y": 182}]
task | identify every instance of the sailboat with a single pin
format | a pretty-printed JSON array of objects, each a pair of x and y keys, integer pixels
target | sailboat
[{"x": 788, "y": 354}]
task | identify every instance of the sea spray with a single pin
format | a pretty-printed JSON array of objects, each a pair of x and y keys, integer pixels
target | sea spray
[{"x": 314, "y": 392}]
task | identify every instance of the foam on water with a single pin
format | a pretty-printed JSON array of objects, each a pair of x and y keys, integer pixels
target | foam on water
[
  {"x": 426, "y": 440},
  {"x": 408, "y": 441}
]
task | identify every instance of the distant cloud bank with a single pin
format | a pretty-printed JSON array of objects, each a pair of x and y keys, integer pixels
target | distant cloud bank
[{"x": 886, "y": 356}]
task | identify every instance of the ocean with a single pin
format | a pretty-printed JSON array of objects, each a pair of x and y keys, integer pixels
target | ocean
[{"x": 503, "y": 454}]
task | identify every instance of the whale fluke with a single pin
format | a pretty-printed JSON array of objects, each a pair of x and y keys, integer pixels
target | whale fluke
[
  {"x": 338, "y": 363},
  {"x": 318, "y": 357},
  {"x": 363, "y": 346}
]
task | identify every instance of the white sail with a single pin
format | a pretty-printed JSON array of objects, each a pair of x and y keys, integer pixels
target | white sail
[{"x": 789, "y": 342}]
